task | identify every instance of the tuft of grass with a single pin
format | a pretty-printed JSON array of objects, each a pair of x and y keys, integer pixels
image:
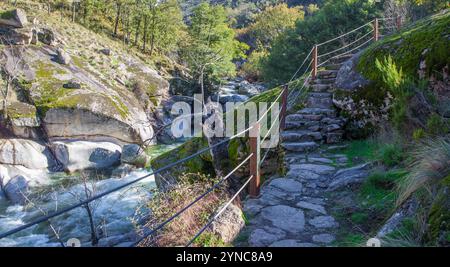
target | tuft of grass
[
  {"x": 378, "y": 191},
  {"x": 351, "y": 240},
  {"x": 430, "y": 164},
  {"x": 359, "y": 217}
]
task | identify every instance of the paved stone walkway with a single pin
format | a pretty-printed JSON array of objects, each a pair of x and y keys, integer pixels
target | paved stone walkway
[{"x": 292, "y": 210}]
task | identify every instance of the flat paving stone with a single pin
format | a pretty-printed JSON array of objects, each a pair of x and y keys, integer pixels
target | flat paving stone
[
  {"x": 310, "y": 206},
  {"x": 291, "y": 243},
  {"x": 262, "y": 238},
  {"x": 323, "y": 222},
  {"x": 287, "y": 185},
  {"x": 284, "y": 217},
  {"x": 323, "y": 238}
]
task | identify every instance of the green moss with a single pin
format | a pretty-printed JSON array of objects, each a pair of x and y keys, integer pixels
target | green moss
[
  {"x": 350, "y": 240},
  {"x": 9, "y": 14},
  {"x": 120, "y": 107},
  {"x": 426, "y": 39},
  {"x": 19, "y": 110}
]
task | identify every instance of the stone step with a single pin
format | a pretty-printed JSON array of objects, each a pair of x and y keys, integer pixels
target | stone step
[
  {"x": 341, "y": 59},
  {"x": 303, "y": 125},
  {"x": 320, "y": 95},
  {"x": 321, "y": 87},
  {"x": 318, "y": 111},
  {"x": 301, "y": 136},
  {"x": 332, "y": 66},
  {"x": 327, "y": 74},
  {"x": 320, "y": 100},
  {"x": 324, "y": 81},
  {"x": 300, "y": 146},
  {"x": 303, "y": 117}
]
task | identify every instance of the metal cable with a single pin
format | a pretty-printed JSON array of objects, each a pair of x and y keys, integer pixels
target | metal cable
[
  {"x": 160, "y": 226},
  {"x": 86, "y": 201},
  {"x": 219, "y": 213},
  {"x": 303, "y": 63},
  {"x": 328, "y": 60}
]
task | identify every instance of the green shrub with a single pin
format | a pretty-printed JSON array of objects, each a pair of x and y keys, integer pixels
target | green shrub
[
  {"x": 418, "y": 134},
  {"x": 391, "y": 154},
  {"x": 436, "y": 125}
]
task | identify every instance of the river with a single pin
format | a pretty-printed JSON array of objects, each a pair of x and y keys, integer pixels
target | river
[{"x": 115, "y": 215}]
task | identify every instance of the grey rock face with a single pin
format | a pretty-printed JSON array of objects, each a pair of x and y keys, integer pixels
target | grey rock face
[
  {"x": 63, "y": 57},
  {"x": 229, "y": 224},
  {"x": 285, "y": 217},
  {"x": 349, "y": 176},
  {"x": 27, "y": 153},
  {"x": 17, "y": 189},
  {"x": 130, "y": 153},
  {"x": 348, "y": 77}
]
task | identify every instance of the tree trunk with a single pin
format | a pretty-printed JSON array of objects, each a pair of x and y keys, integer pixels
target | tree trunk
[
  {"x": 145, "y": 34},
  {"x": 5, "y": 100},
  {"x": 116, "y": 24},
  {"x": 138, "y": 28}
]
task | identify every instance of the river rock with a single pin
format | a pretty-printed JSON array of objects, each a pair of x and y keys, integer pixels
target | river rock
[
  {"x": 26, "y": 153},
  {"x": 287, "y": 185},
  {"x": 16, "y": 18},
  {"x": 81, "y": 155},
  {"x": 72, "y": 84},
  {"x": 134, "y": 155},
  {"x": 17, "y": 189},
  {"x": 229, "y": 224},
  {"x": 323, "y": 238}
]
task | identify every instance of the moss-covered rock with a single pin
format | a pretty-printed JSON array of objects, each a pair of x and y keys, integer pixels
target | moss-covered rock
[
  {"x": 236, "y": 151},
  {"x": 422, "y": 43}
]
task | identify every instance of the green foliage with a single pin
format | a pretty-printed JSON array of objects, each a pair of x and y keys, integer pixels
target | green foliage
[
  {"x": 334, "y": 18},
  {"x": 360, "y": 150},
  {"x": 391, "y": 154},
  {"x": 359, "y": 217},
  {"x": 212, "y": 47},
  {"x": 209, "y": 240},
  {"x": 436, "y": 125},
  {"x": 418, "y": 134}
]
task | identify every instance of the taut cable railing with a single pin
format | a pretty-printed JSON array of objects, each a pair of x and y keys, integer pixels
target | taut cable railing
[{"x": 288, "y": 96}]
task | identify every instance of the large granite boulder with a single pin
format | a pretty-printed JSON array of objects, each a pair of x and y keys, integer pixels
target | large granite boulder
[
  {"x": 82, "y": 155},
  {"x": 27, "y": 153},
  {"x": 229, "y": 224},
  {"x": 348, "y": 77}
]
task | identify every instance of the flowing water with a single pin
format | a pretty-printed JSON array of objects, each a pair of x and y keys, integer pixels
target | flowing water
[{"x": 115, "y": 215}]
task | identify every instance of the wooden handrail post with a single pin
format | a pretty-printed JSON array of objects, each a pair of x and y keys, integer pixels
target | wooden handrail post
[
  {"x": 283, "y": 111},
  {"x": 255, "y": 144},
  {"x": 399, "y": 22},
  {"x": 315, "y": 62},
  {"x": 376, "y": 30}
]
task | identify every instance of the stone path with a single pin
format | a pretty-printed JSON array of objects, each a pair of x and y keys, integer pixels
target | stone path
[{"x": 292, "y": 211}]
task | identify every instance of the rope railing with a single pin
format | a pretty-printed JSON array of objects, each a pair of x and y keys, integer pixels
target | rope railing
[{"x": 286, "y": 97}]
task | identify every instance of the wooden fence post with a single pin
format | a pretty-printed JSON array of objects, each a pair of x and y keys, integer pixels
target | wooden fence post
[
  {"x": 255, "y": 144},
  {"x": 283, "y": 110},
  {"x": 315, "y": 63},
  {"x": 376, "y": 30}
]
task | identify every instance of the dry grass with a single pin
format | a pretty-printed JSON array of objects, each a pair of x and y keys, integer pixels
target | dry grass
[
  {"x": 182, "y": 229},
  {"x": 430, "y": 163}
]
